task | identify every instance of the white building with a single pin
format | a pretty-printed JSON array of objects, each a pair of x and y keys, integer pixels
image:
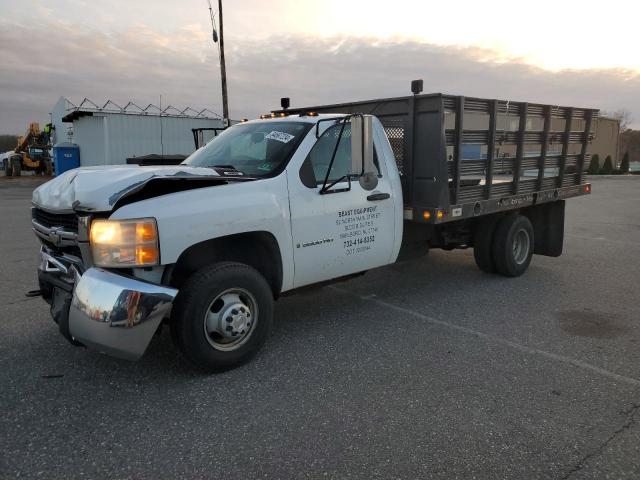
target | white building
[{"x": 110, "y": 134}]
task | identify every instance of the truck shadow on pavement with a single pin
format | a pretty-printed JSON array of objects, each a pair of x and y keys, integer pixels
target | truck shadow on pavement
[{"x": 325, "y": 321}]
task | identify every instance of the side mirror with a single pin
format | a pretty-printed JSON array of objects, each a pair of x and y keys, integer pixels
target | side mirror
[{"x": 362, "y": 145}]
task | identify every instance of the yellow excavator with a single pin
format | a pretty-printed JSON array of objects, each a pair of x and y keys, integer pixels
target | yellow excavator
[{"x": 31, "y": 153}]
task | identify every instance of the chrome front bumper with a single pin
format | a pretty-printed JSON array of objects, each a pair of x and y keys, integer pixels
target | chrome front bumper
[{"x": 111, "y": 313}]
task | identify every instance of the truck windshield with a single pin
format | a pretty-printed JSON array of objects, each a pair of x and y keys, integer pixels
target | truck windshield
[{"x": 255, "y": 149}]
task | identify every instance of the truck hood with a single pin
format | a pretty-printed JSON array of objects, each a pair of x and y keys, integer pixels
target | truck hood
[{"x": 98, "y": 189}]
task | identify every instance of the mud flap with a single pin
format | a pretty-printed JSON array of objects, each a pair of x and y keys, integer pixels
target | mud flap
[{"x": 548, "y": 227}]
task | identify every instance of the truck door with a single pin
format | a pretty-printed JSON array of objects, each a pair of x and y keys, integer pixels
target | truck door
[{"x": 346, "y": 230}]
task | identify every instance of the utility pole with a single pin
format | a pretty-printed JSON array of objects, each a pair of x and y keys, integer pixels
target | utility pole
[{"x": 223, "y": 68}]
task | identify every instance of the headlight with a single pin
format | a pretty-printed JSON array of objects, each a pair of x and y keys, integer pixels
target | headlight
[{"x": 125, "y": 243}]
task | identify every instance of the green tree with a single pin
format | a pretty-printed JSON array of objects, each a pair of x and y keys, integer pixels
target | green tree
[
  {"x": 607, "y": 168},
  {"x": 624, "y": 165},
  {"x": 594, "y": 165}
]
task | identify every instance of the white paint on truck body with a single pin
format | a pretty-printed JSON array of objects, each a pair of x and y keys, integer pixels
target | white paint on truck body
[
  {"x": 320, "y": 236},
  {"x": 338, "y": 234},
  {"x": 96, "y": 189},
  {"x": 190, "y": 217}
]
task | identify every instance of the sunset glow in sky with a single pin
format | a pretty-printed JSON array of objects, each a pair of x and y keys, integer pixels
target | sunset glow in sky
[
  {"x": 567, "y": 51},
  {"x": 552, "y": 34}
]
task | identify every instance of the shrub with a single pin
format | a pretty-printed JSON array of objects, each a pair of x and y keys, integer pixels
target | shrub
[
  {"x": 624, "y": 165},
  {"x": 594, "y": 165},
  {"x": 607, "y": 168}
]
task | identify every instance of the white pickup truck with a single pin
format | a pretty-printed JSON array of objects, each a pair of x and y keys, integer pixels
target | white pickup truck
[{"x": 289, "y": 200}]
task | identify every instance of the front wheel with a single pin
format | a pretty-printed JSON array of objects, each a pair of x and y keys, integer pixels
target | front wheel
[
  {"x": 222, "y": 316},
  {"x": 16, "y": 165},
  {"x": 47, "y": 169},
  {"x": 8, "y": 167}
]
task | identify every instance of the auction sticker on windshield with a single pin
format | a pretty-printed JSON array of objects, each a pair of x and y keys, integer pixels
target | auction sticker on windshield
[{"x": 280, "y": 136}]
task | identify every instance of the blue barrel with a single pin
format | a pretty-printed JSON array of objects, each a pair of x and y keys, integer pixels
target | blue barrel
[{"x": 66, "y": 156}]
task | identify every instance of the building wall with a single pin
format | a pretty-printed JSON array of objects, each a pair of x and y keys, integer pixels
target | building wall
[
  {"x": 61, "y": 130},
  {"x": 88, "y": 134},
  {"x": 111, "y": 138},
  {"x": 630, "y": 143},
  {"x": 606, "y": 139}
]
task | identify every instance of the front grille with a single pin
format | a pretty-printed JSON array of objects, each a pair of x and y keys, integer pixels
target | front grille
[{"x": 68, "y": 221}]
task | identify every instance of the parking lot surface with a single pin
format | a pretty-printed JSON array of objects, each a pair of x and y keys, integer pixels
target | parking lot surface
[{"x": 425, "y": 369}]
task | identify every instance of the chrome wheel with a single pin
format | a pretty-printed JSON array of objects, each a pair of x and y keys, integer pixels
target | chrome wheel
[
  {"x": 521, "y": 245},
  {"x": 231, "y": 319}
]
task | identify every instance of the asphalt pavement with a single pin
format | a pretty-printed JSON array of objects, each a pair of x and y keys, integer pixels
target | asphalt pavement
[{"x": 425, "y": 369}]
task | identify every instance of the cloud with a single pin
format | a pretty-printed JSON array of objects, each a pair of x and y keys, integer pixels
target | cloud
[{"x": 140, "y": 64}]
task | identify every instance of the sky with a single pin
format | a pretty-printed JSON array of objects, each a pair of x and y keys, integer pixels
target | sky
[{"x": 579, "y": 53}]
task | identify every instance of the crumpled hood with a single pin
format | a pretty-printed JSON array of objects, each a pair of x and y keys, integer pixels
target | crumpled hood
[{"x": 97, "y": 189}]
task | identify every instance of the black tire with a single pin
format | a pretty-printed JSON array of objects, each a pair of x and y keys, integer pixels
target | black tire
[
  {"x": 483, "y": 244},
  {"x": 8, "y": 170},
  {"x": 16, "y": 163},
  {"x": 510, "y": 260},
  {"x": 48, "y": 168},
  {"x": 193, "y": 303}
]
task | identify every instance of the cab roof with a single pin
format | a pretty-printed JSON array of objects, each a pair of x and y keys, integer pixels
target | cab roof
[{"x": 294, "y": 117}]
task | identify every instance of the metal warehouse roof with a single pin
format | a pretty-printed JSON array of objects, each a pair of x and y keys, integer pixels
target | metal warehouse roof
[{"x": 88, "y": 108}]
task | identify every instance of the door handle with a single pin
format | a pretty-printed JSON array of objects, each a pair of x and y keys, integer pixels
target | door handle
[{"x": 374, "y": 197}]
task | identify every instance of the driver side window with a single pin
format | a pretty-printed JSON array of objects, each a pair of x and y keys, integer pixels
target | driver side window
[
  {"x": 314, "y": 169},
  {"x": 316, "y": 165},
  {"x": 320, "y": 155}
]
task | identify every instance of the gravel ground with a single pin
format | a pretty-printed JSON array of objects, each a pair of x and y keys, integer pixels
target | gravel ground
[{"x": 426, "y": 369}]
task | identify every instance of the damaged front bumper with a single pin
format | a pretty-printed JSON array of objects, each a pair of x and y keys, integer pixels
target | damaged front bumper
[{"x": 106, "y": 311}]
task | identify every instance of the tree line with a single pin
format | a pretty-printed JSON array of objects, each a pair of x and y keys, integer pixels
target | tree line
[
  {"x": 607, "y": 167},
  {"x": 628, "y": 142},
  {"x": 8, "y": 142}
]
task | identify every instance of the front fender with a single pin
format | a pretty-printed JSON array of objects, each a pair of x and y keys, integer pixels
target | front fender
[{"x": 190, "y": 217}]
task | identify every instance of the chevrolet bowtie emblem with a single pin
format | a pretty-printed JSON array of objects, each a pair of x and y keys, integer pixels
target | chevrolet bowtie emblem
[{"x": 54, "y": 237}]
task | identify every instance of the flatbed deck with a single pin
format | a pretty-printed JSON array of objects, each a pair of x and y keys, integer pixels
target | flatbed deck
[{"x": 461, "y": 157}]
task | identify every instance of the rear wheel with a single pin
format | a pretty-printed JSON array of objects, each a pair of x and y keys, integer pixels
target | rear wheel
[
  {"x": 8, "y": 168},
  {"x": 222, "y": 316},
  {"x": 513, "y": 245}
]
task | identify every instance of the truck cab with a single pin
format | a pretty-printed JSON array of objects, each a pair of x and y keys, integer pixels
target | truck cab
[{"x": 271, "y": 205}]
